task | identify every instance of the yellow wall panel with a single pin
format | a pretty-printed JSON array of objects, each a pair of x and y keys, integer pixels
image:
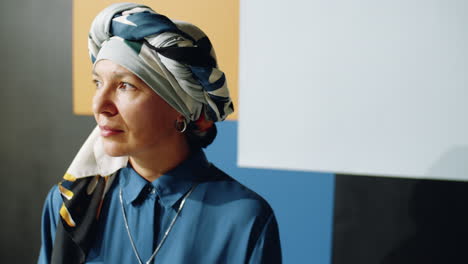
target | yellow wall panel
[{"x": 218, "y": 19}]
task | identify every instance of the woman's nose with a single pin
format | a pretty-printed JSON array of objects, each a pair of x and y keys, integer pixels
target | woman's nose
[{"x": 103, "y": 102}]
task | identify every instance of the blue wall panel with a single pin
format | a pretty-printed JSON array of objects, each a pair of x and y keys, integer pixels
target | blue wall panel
[{"x": 302, "y": 201}]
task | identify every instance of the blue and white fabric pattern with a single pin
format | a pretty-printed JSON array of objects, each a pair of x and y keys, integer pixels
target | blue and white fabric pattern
[{"x": 176, "y": 59}]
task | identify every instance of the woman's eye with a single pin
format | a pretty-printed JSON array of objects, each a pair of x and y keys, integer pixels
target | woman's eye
[
  {"x": 97, "y": 83},
  {"x": 126, "y": 86}
]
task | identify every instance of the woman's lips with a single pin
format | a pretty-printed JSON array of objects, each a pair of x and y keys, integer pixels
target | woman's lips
[{"x": 109, "y": 131}]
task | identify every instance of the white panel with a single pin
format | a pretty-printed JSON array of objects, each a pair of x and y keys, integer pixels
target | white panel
[{"x": 361, "y": 87}]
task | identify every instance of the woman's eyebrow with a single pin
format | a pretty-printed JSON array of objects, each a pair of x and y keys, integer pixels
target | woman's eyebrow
[
  {"x": 121, "y": 75},
  {"x": 115, "y": 75}
]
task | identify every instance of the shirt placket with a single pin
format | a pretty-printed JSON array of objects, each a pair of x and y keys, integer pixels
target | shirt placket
[{"x": 142, "y": 224}]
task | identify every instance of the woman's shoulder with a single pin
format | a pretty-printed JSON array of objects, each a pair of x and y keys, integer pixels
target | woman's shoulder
[
  {"x": 54, "y": 199},
  {"x": 223, "y": 190}
]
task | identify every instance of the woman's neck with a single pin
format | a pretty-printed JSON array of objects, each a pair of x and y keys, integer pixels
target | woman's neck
[{"x": 151, "y": 165}]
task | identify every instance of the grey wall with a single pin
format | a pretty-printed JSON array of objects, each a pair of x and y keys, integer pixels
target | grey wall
[{"x": 39, "y": 134}]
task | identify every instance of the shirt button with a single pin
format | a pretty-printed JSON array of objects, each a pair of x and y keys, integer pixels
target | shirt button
[
  {"x": 153, "y": 190},
  {"x": 149, "y": 188}
]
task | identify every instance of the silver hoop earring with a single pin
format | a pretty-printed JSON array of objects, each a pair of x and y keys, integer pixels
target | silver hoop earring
[{"x": 181, "y": 126}]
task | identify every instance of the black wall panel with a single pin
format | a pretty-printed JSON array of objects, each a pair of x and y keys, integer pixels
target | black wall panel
[
  {"x": 39, "y": 134},
  {"x": 392, "y": 220}
]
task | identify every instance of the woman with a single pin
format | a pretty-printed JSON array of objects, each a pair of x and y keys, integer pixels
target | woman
[{"x": 140, "y": 190}]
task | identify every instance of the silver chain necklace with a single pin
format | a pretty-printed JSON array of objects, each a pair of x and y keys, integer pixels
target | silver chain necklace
[{"x": 165, "y": 234}]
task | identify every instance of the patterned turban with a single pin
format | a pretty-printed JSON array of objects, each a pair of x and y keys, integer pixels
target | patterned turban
[{"x": 174, "y": 58}]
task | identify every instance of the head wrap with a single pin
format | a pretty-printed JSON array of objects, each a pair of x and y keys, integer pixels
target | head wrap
[{"x": 176, "y": 59}]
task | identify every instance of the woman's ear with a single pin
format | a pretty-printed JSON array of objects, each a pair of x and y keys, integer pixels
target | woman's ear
[
  {"x": 180, "y": 118},
  {"x": 181, "y": 124}
]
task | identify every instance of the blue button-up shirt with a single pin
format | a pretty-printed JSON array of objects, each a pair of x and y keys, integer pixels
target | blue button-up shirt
[{"x": 222, "y": 221}]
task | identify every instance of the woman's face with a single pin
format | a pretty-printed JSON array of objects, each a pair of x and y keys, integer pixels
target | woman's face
[{"x": 133, "y": 119}]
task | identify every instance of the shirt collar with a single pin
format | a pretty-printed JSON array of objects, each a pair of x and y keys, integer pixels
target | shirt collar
[{"x": 171, "y": 186}]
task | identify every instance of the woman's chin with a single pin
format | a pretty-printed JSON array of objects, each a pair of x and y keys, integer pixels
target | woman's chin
[{"x": 114, "y": 151}]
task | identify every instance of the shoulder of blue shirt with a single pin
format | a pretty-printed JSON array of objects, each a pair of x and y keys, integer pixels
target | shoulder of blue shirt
[{"x": 218, "y": 190}]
